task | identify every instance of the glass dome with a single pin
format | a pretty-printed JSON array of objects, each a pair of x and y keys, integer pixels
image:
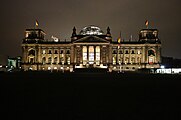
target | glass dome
[{"x": 91, "y": 30}]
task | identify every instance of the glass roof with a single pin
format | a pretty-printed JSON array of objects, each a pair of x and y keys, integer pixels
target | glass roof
[{"x": 91, "y": 30}]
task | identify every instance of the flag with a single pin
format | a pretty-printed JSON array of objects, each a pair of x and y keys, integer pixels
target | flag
[
  {"x": 146, "y": 23},
  {"x": 119, "y": 40},
  {"x": 36, "y": 23}
]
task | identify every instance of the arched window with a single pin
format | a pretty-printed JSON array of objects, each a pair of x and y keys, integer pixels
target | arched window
[
  {"x": 126, "y": 52},
  {"x": 31, "y": 52},
  {"x": 55, "y": 52},
  {"x": 49, "y": 52},
  {"x": 139, "y": 52},
  {"x": 151, "y": 52},
  {"x": 68, "y": 52},
  {"x": 151, "y": 56},
  {"x": 114, "y": 52},
  {"x": 61, "y": 51}
]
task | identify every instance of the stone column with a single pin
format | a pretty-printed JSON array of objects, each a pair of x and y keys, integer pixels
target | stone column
[
  {"x": 94, "y": 54},
  {"x": 52, "y": 55},
  {"x": 39, "y": 55},
  {"x": 87, "y": 54},
  {"x": 117, "y": 59},
  {"x": 46, "y": 55},
  {"x": 100, "y": 54},
  {"x": 123, "y": 56},
  {"x": 72, "y": 54},
  {"x": 58, "y": 60},
  {"x": 129, "y": 55},
  {"x": 110, "y": 54},
  {"x": 81, "y": 54},
  {"x": 143, "y": 58}
]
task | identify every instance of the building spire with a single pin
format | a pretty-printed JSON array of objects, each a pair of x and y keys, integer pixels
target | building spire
[
  {"x": 108, "y": 31},
  {"x": 74, "y": 32}
]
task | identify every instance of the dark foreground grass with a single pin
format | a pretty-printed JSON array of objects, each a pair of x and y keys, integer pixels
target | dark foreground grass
[{"x": 82, "y": 96}]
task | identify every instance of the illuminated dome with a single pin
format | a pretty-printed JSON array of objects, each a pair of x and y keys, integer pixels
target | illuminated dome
[{"x": 91, "y": 30}]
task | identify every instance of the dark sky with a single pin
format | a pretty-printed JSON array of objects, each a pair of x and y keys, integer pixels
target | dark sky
[{"x": 58, "y": 17}]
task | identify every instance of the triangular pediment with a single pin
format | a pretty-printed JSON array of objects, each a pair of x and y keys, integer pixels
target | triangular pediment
[{"x": 91, "y": 39}]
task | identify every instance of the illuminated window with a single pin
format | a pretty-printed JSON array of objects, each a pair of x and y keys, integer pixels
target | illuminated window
[
  {"x": 84, "y": 55},
  {"x": 68, "y": 59},
  {"x": 91, "y": 55},
  {"x": 139, "y": 52},
  {"x": 151, "y": 56},
  {"x": 151, "y": 60},
  {"x": 114, "y": 59},
  {"x": 44, "y": 51}
]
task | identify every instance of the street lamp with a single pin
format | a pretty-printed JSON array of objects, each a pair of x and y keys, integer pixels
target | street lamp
[{"x": 162, "y": 66}]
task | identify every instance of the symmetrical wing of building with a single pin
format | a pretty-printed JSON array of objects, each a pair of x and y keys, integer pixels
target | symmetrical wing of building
[{"x": 91, "y": 48}]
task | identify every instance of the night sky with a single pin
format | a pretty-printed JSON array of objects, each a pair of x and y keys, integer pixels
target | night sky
[{"x": 58, "y": 17}]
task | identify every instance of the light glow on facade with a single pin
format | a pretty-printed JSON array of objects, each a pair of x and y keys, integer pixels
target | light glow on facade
[{"x": 91, "y": 48}]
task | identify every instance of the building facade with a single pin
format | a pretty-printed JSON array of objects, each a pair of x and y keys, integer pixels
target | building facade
[{"x": 90, "y": 48}]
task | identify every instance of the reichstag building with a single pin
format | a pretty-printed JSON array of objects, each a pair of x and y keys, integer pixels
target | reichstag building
[{"x": 90, "y": 48}]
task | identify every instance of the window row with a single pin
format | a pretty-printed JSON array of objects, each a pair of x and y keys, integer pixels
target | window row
[
  {"x": 127, "y": 52},
  {"x": 55, "y": 60},
  {"x": 55, "y": 52}
]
